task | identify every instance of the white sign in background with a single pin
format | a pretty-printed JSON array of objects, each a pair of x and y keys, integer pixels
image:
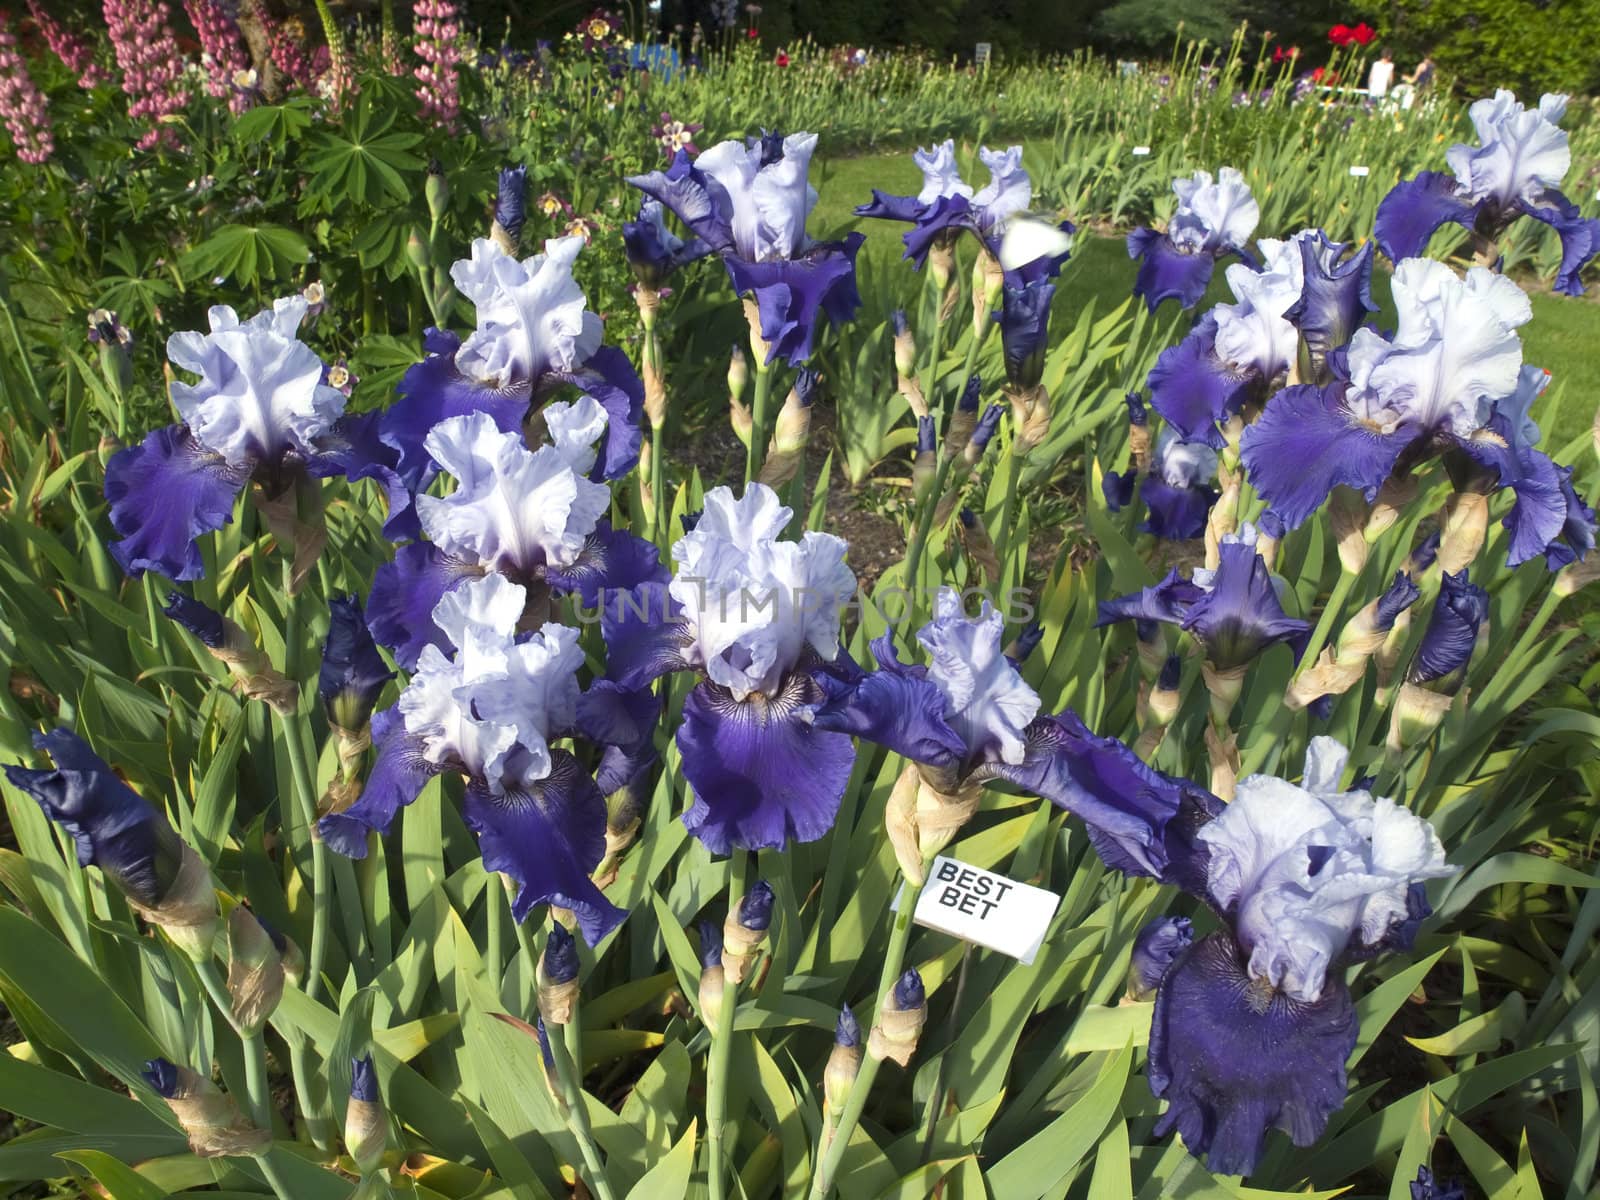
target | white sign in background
[{"x": 986, "y": 909}]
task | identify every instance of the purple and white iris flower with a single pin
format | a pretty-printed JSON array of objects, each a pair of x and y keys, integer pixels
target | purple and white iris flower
[
  {"x": 490, "y": 711},
  {"x": 1306, "y": 301},
  {"x": 947, "y": 205},
  {"x": 1215, "y": 217},
  {"x": 1450, "y": 381},
  {"x": 653, "y": 251},
  {"x": 534, "y": 337},
  {"x": 534, "y": 516},
  {"x": 968, "y": 718},
  {"x": 1031, "y": 255},
  {"x": 1177, "y": 492},
  {"x": 1514, "y": 171},
  {"x": 1253, "y": 1024},
  {"x": 748, "y": 202},
  {"x": 757, "y": 617},
  {"x": 1234, "y": 610},
  {"x": 258, "y": 412}
]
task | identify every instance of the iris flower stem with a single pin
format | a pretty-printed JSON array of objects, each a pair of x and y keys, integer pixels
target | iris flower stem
[
  {"x": 577, "y": 1113},
  {"x": 755, "y": 453},
  {"x": 494, "y": 899},
  {"x": 1008, "y": 506},
  {"x": 926, "y": 505},
  {"x": 722, "y": 1043},
  {"x": 651, "y": 354},
  {"x": 856, "y": 1101},
  {"x": 930, "y": 1118},
  {"x": 257, "y": 1092}
]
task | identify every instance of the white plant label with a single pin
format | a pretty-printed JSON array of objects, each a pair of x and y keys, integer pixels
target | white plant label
[
  {"x": 1141, "y": 151},
  {"x": 1360, "y": 171},
  {"x": 986, "y": 909}
]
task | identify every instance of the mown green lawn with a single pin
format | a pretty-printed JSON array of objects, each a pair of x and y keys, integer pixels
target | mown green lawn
[{"x": 1564, "y": 336}]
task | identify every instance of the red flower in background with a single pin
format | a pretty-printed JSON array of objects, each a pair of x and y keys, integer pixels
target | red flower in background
[
  {"x": 1285, "y": 54},
  {"x": 782, "y": 58},
  {"x": 1363, "y": 34},
  {"x": 1341, "y": 35},
  {"x": 1317, "y": 74},
  {"x": 752, "y": 34}
]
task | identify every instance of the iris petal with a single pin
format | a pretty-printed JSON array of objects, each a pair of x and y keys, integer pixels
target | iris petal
[
  {"x": 164, "y": 493},
  {"x": 404, "y": 594},
  {"x": 1415, "y": 209},
  {"x": 398, "y": 777}
]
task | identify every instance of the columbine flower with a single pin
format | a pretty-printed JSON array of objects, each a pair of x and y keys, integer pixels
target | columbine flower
[
  {"x": 673, "y": 136},
  {"x": 1253, "y": 1024},
  {"x": 117, "y": 830},
  {"x": 947, "y": 205},
  {"x": 1215, "y": 217},
  {"x": 1307, "y": 300},
  {"x": 758, "y": 618},
  {"x": 490, "y": 712},
  {"x": 258, "y": 412},
  {"x": 1514, "y": 171},
  {"x": 1448, "y": 380},
  {"x": 534, "y": 337},
  {"x": 654, "y": 252},
  {"x": 968, "y": 719},
  {"x": 748, "y": 202},
  {"x": 533, "y": 516}
]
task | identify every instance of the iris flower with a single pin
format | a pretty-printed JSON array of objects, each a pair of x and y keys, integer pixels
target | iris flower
[
  {"x": 1253, "y": 1024},
  {"x": 1514, "y": 171},
  {"x": 947, "y": 205},
  {"x": 748, "y": 202},
  {"x": 534, "y": 516},
  {"x": 258, "y": 412},
  {"x": 757, "y": 618},
  {"x": 490, "y": 712},
  {"x": 968, "y": 718},
  {"x": 534, "y": 337},
  {"x": 1449, "y": 381},
  {"x": 1307, "y": 300},
  {"x": 1177, "y": 492},
  {"x": 653, "y": 251},
  {"x": 1214, "y": 218}
]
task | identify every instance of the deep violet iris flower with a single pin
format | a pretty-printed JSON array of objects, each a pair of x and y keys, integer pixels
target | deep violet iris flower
[
  {"x": 748, "y": 202},
  {"x": 1307, "y": 300},
  {"x": 1514, "y": 171},
  {"x": 947, "y": 205},
  {"x": 1177, "y": 492},
  {"x": 535, "y": 516},
  {"x": 968, "y": 718},
  {"x": 534, "y": 338},
  {"x": 258, "y": 412},
  {"x": 757, "y": 617},
  {"x": 1449, "y": 381},
  {"x": 490, "y": 711},
  {"x": 1214, "y": 218},
  {"x": 653, "y": 251},
  {"x": 1253, "y": 1024}
]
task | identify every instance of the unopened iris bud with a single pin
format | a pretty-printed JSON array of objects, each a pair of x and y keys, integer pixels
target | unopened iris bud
[
  {"x": 1269, "y": 533},
  {"x": 249, "y": 665},
  {"x": 417, "y": 250},
  {"x": 923, "y": 465},
  {"x": 558, "y": 977},
  {"x": 210, "y": 1119},
  {"x": 1139, "y": 440},
  {"x": 1154, "y": 949},
  {"x": 1024, "y": 332},
  {"x": 366, "y": 1124},
  {"x": 1440, "y": 668},
  {"x": 1466, "y": 522},
  {"x": 116, "y": 829},
  {"x": 745, "y": 930},
  {"x": 1164, "y": 697},
  {"x": 900, "y": 1020},
  {"x": 547, "y": 1056},
  {"x": 844, "y": 1062},
  {"x": 353, "y": 671},
  {"x": 297, "y": 522},
  {"x": 983, "y": 433},
  {"x": 905, "y": 344},
  {"x": 1025, "y": 643},
  {"x": 1341, "y": 666},
  {"x": 711, "y": 973},
  {"x": 791, "y": 431},
  {"x": 975, "y": 539},
  {"x": 1424, "y": 556},
  {"x": 510, "y": 208},
  {"x": 738, "y": 372},
  {"x": 964, "y": 420},
  {"x": 437, "y": 191},
  {"x": 255, "y": 970},
  {"x": 988, "y": 281}
]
